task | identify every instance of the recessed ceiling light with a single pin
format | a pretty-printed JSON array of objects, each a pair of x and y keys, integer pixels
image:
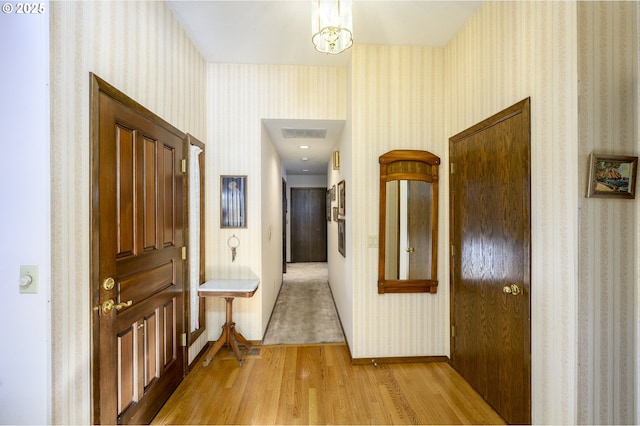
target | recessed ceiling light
[
  {"x": 304, "y": 146},
  {"x": 305, "y": 158},
  {"x": 305, "y": 170}
]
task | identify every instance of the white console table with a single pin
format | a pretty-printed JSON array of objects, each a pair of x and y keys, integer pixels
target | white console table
[{"x": 229, "y": 289}]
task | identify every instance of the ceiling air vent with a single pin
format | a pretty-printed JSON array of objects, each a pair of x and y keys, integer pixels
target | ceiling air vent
[{"x": 288, "y": 133}]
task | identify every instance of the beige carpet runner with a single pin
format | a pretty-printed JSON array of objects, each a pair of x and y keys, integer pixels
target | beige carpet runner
[{"x": 305, "y": 312}]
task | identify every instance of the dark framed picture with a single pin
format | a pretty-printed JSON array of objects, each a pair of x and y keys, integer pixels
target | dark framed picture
[
  {"x": 328, "y": 205},
  {"x": 612, "y": 176},
  {"x": 333, "y": 193},
  {"x": 341, "y": 237},
  {"x": 335, "y": 214},
  {"x": 233, "y": 201},
  {"x": 341, "y": 198}
]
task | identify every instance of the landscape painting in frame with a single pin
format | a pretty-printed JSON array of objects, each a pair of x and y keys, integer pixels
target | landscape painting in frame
[{"x": 612, "y": 176}]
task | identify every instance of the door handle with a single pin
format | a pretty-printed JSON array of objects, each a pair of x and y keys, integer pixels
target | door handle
[
  {"x": 410, "y": 249},
  {"x": 512, "y": 289},
  {"x": 110, "y": 305}
]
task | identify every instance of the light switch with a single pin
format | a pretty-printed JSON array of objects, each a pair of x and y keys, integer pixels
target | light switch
[
  {"x": 372, "y": 241},
  {"x": 28, "y": 281}
]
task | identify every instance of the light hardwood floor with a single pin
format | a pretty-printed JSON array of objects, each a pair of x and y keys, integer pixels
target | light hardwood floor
[{"x": 318, "y": 385}]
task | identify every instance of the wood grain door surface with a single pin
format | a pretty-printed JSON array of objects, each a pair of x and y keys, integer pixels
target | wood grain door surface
[
  {"x": 138, "y": 235},
  {"x": 490, "y": 237},
  {"x": 308, "y": 225}
]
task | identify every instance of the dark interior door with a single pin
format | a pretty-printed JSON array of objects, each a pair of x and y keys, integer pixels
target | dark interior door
[
  {"x": 308, "y": 225},
  {"x": 137, "y": 264},
  {"x": 490, "y": 260}
]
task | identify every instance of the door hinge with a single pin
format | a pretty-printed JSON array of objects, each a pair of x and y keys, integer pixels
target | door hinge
[
  {"x": 183, "y": 165},
  {"x": 453, "y": 250},
  {"x": 184, "y": 252},
  {"x": 183, "y": 339},
  {"x": 452, "y": 169},
  {"x": 453, "y": 331}
]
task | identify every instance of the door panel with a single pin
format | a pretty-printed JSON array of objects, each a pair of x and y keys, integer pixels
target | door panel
[
  {"x": 308, "y": 225},
  {"x": 138, "y": 232},
  {"x": 490, "y": 234}
]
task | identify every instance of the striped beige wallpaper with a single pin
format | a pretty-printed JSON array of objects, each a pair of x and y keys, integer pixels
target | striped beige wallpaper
[
  {"x": 140, "y": 48},
  {"x": 509, "y": 51},
  {"x": 608, "y": 275},
  {"x": 394, "y": 97},
  {"x": 398, "y": 103}
]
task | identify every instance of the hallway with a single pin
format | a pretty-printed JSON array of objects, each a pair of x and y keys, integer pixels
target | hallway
[{"x": 304, "y": 312}]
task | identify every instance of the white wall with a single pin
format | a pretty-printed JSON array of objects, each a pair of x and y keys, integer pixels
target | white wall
[
  {"x": 341, "y": 267},
  {"x": 271, "y": 227},
  {"x": 25, "y": 359}
]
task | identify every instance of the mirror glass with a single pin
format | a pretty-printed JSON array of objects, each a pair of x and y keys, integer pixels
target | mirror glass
[
  {"x": 408, "y": 222},
  {"x": 408, "y": 230}
]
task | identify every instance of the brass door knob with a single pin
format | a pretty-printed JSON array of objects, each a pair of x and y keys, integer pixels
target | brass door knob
[
  {"x": 410, "y": 249},
  {"x": 110, "y": 305},
  {"x": 512, "y": 289}
]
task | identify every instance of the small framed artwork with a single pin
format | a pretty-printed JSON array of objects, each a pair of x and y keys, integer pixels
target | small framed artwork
[
  {"x": 612, "y": 176},
  {"x": 336, "y": 160},
  {"x": 333, "y": 193},
  {"x": 233, "y": 201},
  {"x": 341, "y": 237},
  {"x": 335, "y": 214},
  {"x": 341, "y": 198},
  {"x": 328, "y": 205}
]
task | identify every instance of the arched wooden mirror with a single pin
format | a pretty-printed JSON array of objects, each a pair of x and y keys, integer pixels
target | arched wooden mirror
[{"x": 408, "y": 239}]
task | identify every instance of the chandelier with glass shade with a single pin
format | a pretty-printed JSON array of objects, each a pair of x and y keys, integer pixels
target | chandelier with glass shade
[{"x": 331, "y": 25}]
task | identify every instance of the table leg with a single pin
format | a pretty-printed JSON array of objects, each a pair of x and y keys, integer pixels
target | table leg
[
  {"x": 228, "y": 337},
  {"x": 224, "y": 337}
]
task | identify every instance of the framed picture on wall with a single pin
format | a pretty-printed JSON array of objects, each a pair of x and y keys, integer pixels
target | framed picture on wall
[
  {"x": 612, "y": 176},
  {"x": 233, "y": 201},
  {"x": 335, "y": 214},
  {"x": 341, "y": 198},
  {"x": 328, "y": 205},
  {"x": 341, "y": 237}
]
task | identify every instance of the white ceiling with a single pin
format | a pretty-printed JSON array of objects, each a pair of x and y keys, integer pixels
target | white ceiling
[{"x": 279, "y": 32}]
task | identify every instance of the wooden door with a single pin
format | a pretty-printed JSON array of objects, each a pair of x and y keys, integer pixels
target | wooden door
[
  {"x": 490, "y": 237},
  {"x": 308, "y": 225},
  {"x": 137, "y": 240}
]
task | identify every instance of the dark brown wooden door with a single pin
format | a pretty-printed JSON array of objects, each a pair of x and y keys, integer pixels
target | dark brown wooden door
[
  {"x": 138, "y": 235},
  {"x": 308, "y": 225},
  {"x": 490, "y": 237}
]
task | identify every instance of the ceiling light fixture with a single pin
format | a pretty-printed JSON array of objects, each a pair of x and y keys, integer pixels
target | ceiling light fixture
[
  {"x": 331, "y": 25},
  {"x": 304, "y": 146}
]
